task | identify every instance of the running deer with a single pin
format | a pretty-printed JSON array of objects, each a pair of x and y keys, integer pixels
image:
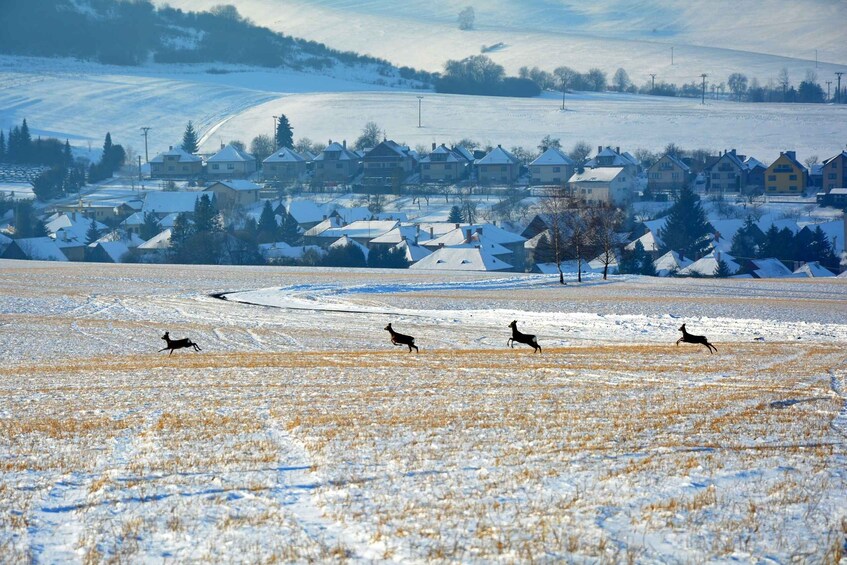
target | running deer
[
  {"x": 518, "y": 337},
  {"x": 689, "y": 338},
  {"x": 400, "y": 339},
  {"x": 177, "y": 343}
]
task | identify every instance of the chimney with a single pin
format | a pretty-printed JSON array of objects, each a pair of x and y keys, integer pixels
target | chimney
[
  {"x": 222, "y": 145},
  {"x": 441, "y": 245},
  {"x": 792, "y": 155},
  {"x": 344, "y": 143},
  {"x": 618, "y": 150},
  {"x": 499, "y": 146},
  {"x": 479, "y": 231},
  {"x": 457, "y": 226},
  {"x": 599, "y": 148},
  {"x": 170, "y": 147},
  {"x": 431, "y": 233},
  {"x": 468, "y": 235},
  {"x": 433, "y": 146}
]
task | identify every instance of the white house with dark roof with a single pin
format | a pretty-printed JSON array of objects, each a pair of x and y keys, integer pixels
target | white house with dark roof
[
  {"x": 603, "y": 186},
  {"x": 236, "y": 193},
  {"x": 551, "y": 167},
  {"x": 175, "y": 163},
  {"x": 230, "y": 162},
  {"x": 284, "y": 165},
  {"x": 498, "y": 167}
]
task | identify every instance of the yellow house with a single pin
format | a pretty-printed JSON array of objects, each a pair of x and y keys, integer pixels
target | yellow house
[{"x": 786, "y": 175}]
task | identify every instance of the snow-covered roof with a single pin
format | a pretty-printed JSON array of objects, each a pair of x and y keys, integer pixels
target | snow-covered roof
[
  {"x": 449, "y": 156},
  {"x": 130, "y": 240},
  {"x": 114, "y": 249},
  {"x": 355, "y": 214},
  {"x": 400, "y": 234},
  {"x": 280, "y": 250},
  {"x": 343, "y": 153},
  {"x": 553, "y": 157},
  {"x": 40, "y": 249},
  {"x": 284, "y": 155},
  {"x": 306, "y": 211},
  {"x": 230, "y": 154},
  {"x": 834, "y": 231},
  {"x": 707, "y": 265},
  {"x": 345, "y": 241},
  {"x": 364, "y": 229},
  {"x": 162, "y": 240},
  {"x": 184, "y": 156},
  {"x": 670, "y": 263},
  {"x": 649, "y": 240},
  {"x": 412, "y": 252},
  {"x": 321, "y": 227},
  {"x": 498, "y": 156},
  {"x": 68, "y": 232},
  {"x": 170, "y": 202},
  {"x": 751, "y": 163},
  {"x": 238, "y": 185},
  {"x": 612, "y": 158},
  {"x": 814, "y": 269},
  {"x": 769, "y": 269},
  {"x": 461, "y": 259},
  {"x": 600, "y": 174},
  {"x": 486, "y": 234},
  {"x": 723, "y": 231}
]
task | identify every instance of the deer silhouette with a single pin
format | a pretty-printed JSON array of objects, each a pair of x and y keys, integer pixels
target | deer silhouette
[
  {"x": 518, "y": 337},
  {"x": 689, "y": 338},
  {"x": 400, "y": 339},
  {"x": 177, "y": 344}
]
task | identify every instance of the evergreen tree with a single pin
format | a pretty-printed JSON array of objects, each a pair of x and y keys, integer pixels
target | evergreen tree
[
  {"x": 284, "y": 133},
  {"x": 747, "y": 241},
  {"x": 67, "y": 156},
  {"x": 268, "y": 228},
  {"x": 107, "y": 148},
  {"x": 206, "y": 218},
  {"x": 25, "y": 143},
  {"x": 48, "y": 184},
  {"x": 93, "y": 233},
  {"x": 822, "y": 250},
  {"x": 189, "y": 139},
  {"x": 393, "y": 258},
  {"x": 344, "y": 256},
  {"x": 779, "y": 243},
  {"x": 180, "y": 234},
  {"x": 151, "y": 226},
  {"x": 686, "y": 229},
  {"x": 637, "y": 262},
  {"x": 544, "y": 252},
  {"x": 2, "y": 146},
  {"x": 455, "y": 216},
  {"x": 13, "y": 147},
  {"x": 722, "y": 270},
  {"x": 289, "y": 231}
]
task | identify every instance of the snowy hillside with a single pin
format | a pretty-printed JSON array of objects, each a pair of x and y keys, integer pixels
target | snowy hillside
[
  {"x": 300, "y": 433},
  {"x": 718, "y": 38}
]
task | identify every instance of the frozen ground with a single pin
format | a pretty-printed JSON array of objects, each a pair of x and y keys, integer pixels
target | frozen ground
[{"x": 300, "y": 433}]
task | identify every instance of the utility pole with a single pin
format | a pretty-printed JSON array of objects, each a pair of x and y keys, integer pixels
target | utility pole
[
  {"x": 672, "y": 55},
  {"x": 274, "y": 131},
  {"x": 139, "y": 168},
  {"x": 146, "y": 156},
  {"x": 703, "y": 98},
  {"x": 816, "y": 58},
  {"x": 829, "y": 82},
  {"x": 652, "y": 82},
  {"x": 838, "y": 88},
  {"x": 420, "y": 99},
  {"x": 563, "y": 93}
]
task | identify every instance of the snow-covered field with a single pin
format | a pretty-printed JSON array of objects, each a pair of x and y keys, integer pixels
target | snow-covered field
[{"x": 300, "y": 433}]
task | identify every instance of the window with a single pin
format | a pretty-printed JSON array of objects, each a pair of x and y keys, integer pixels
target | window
[
  {"x": 792, "y": 187},
  {"x": 772, "y": 178},
  {"x": 832, "y": 176},
  {"x": 503, "y": 168},
  {"x": 716, "y": 176},
  {"x": 215, "y": 166},
  {"x": 557, "y": 169},
  {"x": 792, "y": 177},
  {"x": 230, "y": 166}
]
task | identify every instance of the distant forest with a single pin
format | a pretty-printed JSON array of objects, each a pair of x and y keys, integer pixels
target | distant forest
[{"x": 130, "y": 33}]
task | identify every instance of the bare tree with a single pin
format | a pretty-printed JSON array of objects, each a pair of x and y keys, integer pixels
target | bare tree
[
  {"x": 605, "y": 226},
  {"x": 555, "y": 209},
  {"x": 577, "y": 223},
  {"x": 784, "y": 81},
  {"x": 370, "y": 137},
  {"x": 261, "y": 147},
  {"x": 580, "y": 153},
  {"x": 737, "y": 84},
  {"x": 466, "y": 18},
  {"x": 549, "y": 142},
  {"x": 621, "y": 80}
]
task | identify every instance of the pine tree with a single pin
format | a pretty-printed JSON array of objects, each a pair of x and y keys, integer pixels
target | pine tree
[
  {"x": 107, "y": 149},
  {"x": 289, "y": 231},
  {"x": 67, "y": 156},
  {"x": 822, "y": 249},
  {"x": 180, "y": 235},
  {"x": 189, "y": 139},
  {"x": 268, "y": 228},
  {"x": 2, "y": 146},
  {"x": 284, "y": 133},
  {"x": 93, "y": 233},
  {"x": 151, "y": 226},
  {"x": 206, "y": 217},
  {"x": 722, "y": 270},
  {"x": 686, "y": 229},
  {"x": 455, "y": 216},
  {"x": 25, "y": 143},
  {"x": 747, "y": 241}
]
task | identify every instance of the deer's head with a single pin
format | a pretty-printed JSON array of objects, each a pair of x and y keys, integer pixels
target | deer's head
[
  {"x": 514, "y": 324},
  {"x": 167, "y": 336},
  {"x": 682, "y": 328},
  {"x": 387, "y": 328}
]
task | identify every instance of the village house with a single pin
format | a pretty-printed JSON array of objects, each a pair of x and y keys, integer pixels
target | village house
[
  {"x": 163, "y": 204},
  {"x": 726, "y": 173},
  {"x": 387, "y": 165},
  {"x": 176, "y": 164},
  {"x": 668, "y": 175},
  {"x": 496, "y": 241},
  {"x": 362, "y": 232},
  {"x": 336, "y": 164},
  {"x": 465, "y": 258},
  {"x": 231, "y": 163},
  {"x": 608, "y": 157},
  {"x": 231, "y": 194},
  {"x": 786, "y": 175},
  {"x": 444, "y": 165},
  {"x": 603, "y": 186},
  {"x": 284, "y": 165},
  {"x": 834, "y": 172},
  {"x": 498, "y": 167},
  {"x": 551, "y": 167},
  {"x": 35, "y": 249}
]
